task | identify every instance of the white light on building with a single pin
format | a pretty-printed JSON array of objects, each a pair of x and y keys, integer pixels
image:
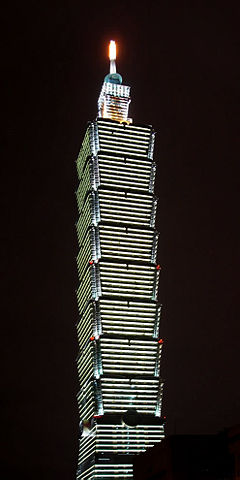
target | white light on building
[{"x": 118, "y": 329}]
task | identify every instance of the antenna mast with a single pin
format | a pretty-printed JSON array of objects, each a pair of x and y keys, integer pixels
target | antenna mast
[{"x": 112, "y": 56}]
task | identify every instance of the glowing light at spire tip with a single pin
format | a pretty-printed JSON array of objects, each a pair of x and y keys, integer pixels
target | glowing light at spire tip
[{"x": 112, "y": 50}]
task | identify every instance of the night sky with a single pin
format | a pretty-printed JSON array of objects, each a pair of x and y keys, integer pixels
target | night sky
[{"x": 183, "y": 67}]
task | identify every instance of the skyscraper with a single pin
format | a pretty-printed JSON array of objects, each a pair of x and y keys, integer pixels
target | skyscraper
[{"x": 119, "y": 347}]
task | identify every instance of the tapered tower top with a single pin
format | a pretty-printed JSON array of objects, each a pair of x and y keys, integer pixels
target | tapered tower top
[{"x": 114, "y": 99}]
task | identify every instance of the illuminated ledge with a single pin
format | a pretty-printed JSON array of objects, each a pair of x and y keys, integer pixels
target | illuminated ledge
[{"x": 107, "y": 121}]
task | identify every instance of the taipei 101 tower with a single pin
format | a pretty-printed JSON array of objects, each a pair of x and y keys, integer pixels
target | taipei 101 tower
[{"x": 119, "y": 357}]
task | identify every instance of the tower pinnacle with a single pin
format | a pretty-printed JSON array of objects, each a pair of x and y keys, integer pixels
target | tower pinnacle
[
  {"x": 113, "y": 76},
  {"x": 112, "y": 56}
]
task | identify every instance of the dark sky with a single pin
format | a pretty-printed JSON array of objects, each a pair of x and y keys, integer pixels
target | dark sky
[{"x": 183, "y": 68}]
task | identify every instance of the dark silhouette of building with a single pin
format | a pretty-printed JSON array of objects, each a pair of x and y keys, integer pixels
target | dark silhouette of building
[
  {"x": 187, "y": 457},
  {"x": 234, "y": 448}
]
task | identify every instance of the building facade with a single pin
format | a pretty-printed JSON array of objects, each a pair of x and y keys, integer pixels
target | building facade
[{"x": 118, "y": 329}]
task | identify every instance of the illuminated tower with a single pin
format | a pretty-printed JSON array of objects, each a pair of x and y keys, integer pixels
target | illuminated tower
[{"x": 118, "y": 329}]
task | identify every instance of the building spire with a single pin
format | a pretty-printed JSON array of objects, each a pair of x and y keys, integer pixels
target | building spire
[
  {"x": 113, "y": 76},
  {"x": 112, "y": 56}
]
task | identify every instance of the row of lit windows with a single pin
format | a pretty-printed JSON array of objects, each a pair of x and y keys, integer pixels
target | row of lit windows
[
  {"x": 85, "y": 291},
  {"x": 131, "y": 129},
  {"x": 142, "y": 199},
  {"x": 83, "y": 154},
  {"x": 107, "y": 472},
  {"x": 124, "y": 139},
  {"x": 84, "y": 187}
]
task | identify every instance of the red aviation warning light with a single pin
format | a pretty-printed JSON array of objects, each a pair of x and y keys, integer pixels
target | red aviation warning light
[
  {"x": 160, "y": 341},
  {"x": 92, "y": 338},
  {"x": 91, "y": 262},
  {"x": 158, "y": 267}
]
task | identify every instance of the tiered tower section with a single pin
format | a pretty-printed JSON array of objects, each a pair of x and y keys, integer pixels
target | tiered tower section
[{"x": 118, "y": 329}]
